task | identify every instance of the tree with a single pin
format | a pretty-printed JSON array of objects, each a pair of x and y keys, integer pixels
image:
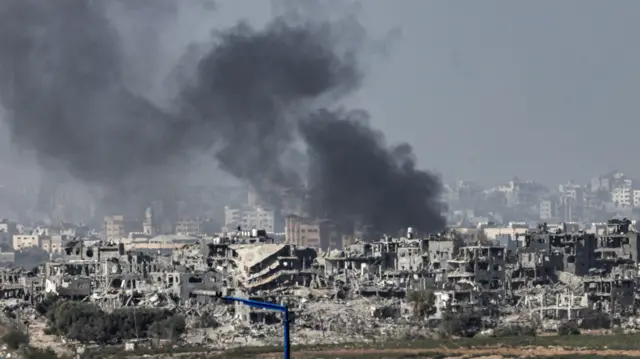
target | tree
[
  {"x": 169, "y": 328},
  {"x": 423, "y": 302},
  {"x": 569, "y": 328},
  {"x": 14, "y": 339},
  {"x": 460, "y": 324},
  {"x": 87, "y": 323},
  {"x": 34, "y": 353}
]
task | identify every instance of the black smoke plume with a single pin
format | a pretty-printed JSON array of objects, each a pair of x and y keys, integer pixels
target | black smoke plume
[
  {"x": 250, "y": 88},
  {"x": 260, "y": 89},
  {"x": 62, "y": 84},
  {"x": 354, "y": 175},
  {"x": 63, "y": 88}
]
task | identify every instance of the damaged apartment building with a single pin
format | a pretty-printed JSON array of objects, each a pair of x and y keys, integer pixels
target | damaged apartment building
[
  {"x": 554, "y": 273},
  {"x": 562, "y": 273}
]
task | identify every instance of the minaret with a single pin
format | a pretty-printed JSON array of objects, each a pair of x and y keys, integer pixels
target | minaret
[{"x": 148, "y": 225}]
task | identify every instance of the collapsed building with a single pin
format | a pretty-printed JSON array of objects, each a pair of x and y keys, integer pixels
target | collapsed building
[{"x": 545, "y": 274}]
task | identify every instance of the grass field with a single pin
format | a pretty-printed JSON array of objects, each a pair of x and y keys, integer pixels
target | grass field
[
  {"x": 575, "y": 346},
  {"x": 548, "y": 347}
]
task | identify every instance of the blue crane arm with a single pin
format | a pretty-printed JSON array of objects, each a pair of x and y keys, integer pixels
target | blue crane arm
[
  {"x": 257, "y": 304},
  {"x": 271, "y": 306}
]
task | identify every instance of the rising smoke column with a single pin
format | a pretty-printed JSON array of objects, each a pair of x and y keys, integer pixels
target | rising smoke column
[
  {"x": 259, "y": 91},
  {"x": 62, "y": 86},
  {"x": 61, "y": 83},
  {"x": 252, "y": 86},
  {"x": 354, "y": 175}
]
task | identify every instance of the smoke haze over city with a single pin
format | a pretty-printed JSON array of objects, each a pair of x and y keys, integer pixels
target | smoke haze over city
[{"x": 252, "y": 98}]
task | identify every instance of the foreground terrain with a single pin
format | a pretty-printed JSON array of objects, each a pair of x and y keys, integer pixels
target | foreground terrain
[
  {"x": 556, "y": 346},
  {"x": 574, "y": 346}
]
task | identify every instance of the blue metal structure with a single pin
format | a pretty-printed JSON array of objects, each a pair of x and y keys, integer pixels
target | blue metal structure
[{"x": 271, "y": 306}]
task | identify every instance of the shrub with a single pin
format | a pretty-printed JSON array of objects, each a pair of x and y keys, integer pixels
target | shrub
[
  {"x": 44, "y": 305},
  {"x": 595, "y": 320},
  {"x": 169, "y": 328},
  {"x": 459, "y": 324},
  {"x": 35, "y": 353},
  {"x": 515, "y": 331},
  {"x": 86, "y": 322},
  {"x": 14, "y": 339},
  {"x": 423, "y": 302},
  {"x": 569, "y": 328}
]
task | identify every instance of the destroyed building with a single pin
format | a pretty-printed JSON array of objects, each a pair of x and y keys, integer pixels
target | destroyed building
[{"x": 547, "y": 273}]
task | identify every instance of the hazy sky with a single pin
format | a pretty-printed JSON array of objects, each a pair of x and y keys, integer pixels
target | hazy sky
[{"x": 485, "y": 90}]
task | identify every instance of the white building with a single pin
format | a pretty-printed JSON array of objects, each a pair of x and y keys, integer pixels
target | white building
[
  {"x": 622, "y": 196},
  {"x": 23, "y": 241},
  {"x": 512, "y": 230},
  {"x": 547, "y": 210},
  {"x": 636, "y": 197},
  {"x": 519, "y": 192},
  {"x": 573, "y": 191},
  {"x": 248, "y": 218}
]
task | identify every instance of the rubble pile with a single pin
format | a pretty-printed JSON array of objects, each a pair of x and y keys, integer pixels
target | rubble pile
[{"x": 358, "y": 293}]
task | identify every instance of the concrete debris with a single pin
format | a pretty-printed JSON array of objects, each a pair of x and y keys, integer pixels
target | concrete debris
[{"x": 394, "y": 287}]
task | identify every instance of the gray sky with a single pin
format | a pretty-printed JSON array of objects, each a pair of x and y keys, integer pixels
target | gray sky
[
  {"x": 488, "y": 89},
  {"x": 485, "y": 90}
]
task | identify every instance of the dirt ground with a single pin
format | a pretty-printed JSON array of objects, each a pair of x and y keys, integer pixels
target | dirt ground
[
  {"x": 476, "y": 353},
  {"x": 38, "y": 339}
]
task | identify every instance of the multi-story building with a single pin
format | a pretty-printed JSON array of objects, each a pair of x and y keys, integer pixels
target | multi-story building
[
  {"x": 8, "y": 226},
  {"x": 53, "y": 244},
  {"x": 249, "y": 218},
  {"x": 317, "y": 233},
  {"x": 24, "y": 241},
  {"x": 189, "y": 226},
  {"x": 7, "y": 230},
  {"x": 622, "y": 196},
  {"x": 618, "y": 245},
  {"x": 465, "y": 192},
  {"x": 636, "y": 197},
  {"x": 573, "y": 191},
  {"x": 548, "y": 209},
  {"x": 524, "y": 193},
  {"x": 484, "y": 265},
  {"x": 512, "y": 229},
  {"x": 565, "y": 249},
  {"x": 619, "y": 186},
  {"x": 116, "y": 227},
  {"x": 600, "y": 183}
]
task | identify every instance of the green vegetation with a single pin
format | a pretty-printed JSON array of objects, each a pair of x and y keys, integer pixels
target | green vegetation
[
  {"x": 87, "y": 323},
  {"x": 515, "y": 331},
  {"x": 423, "y": 302},
  {"x": 584, "y": 341},
  {"x": 459, "y": 324},
  {"x": 34, "y": 353},
  {"x": 569, "y": 328},
  {"x": 14, "y": 339},
  {"x": 514, "y": 337},
  {"x": 436, "y": 355}
]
